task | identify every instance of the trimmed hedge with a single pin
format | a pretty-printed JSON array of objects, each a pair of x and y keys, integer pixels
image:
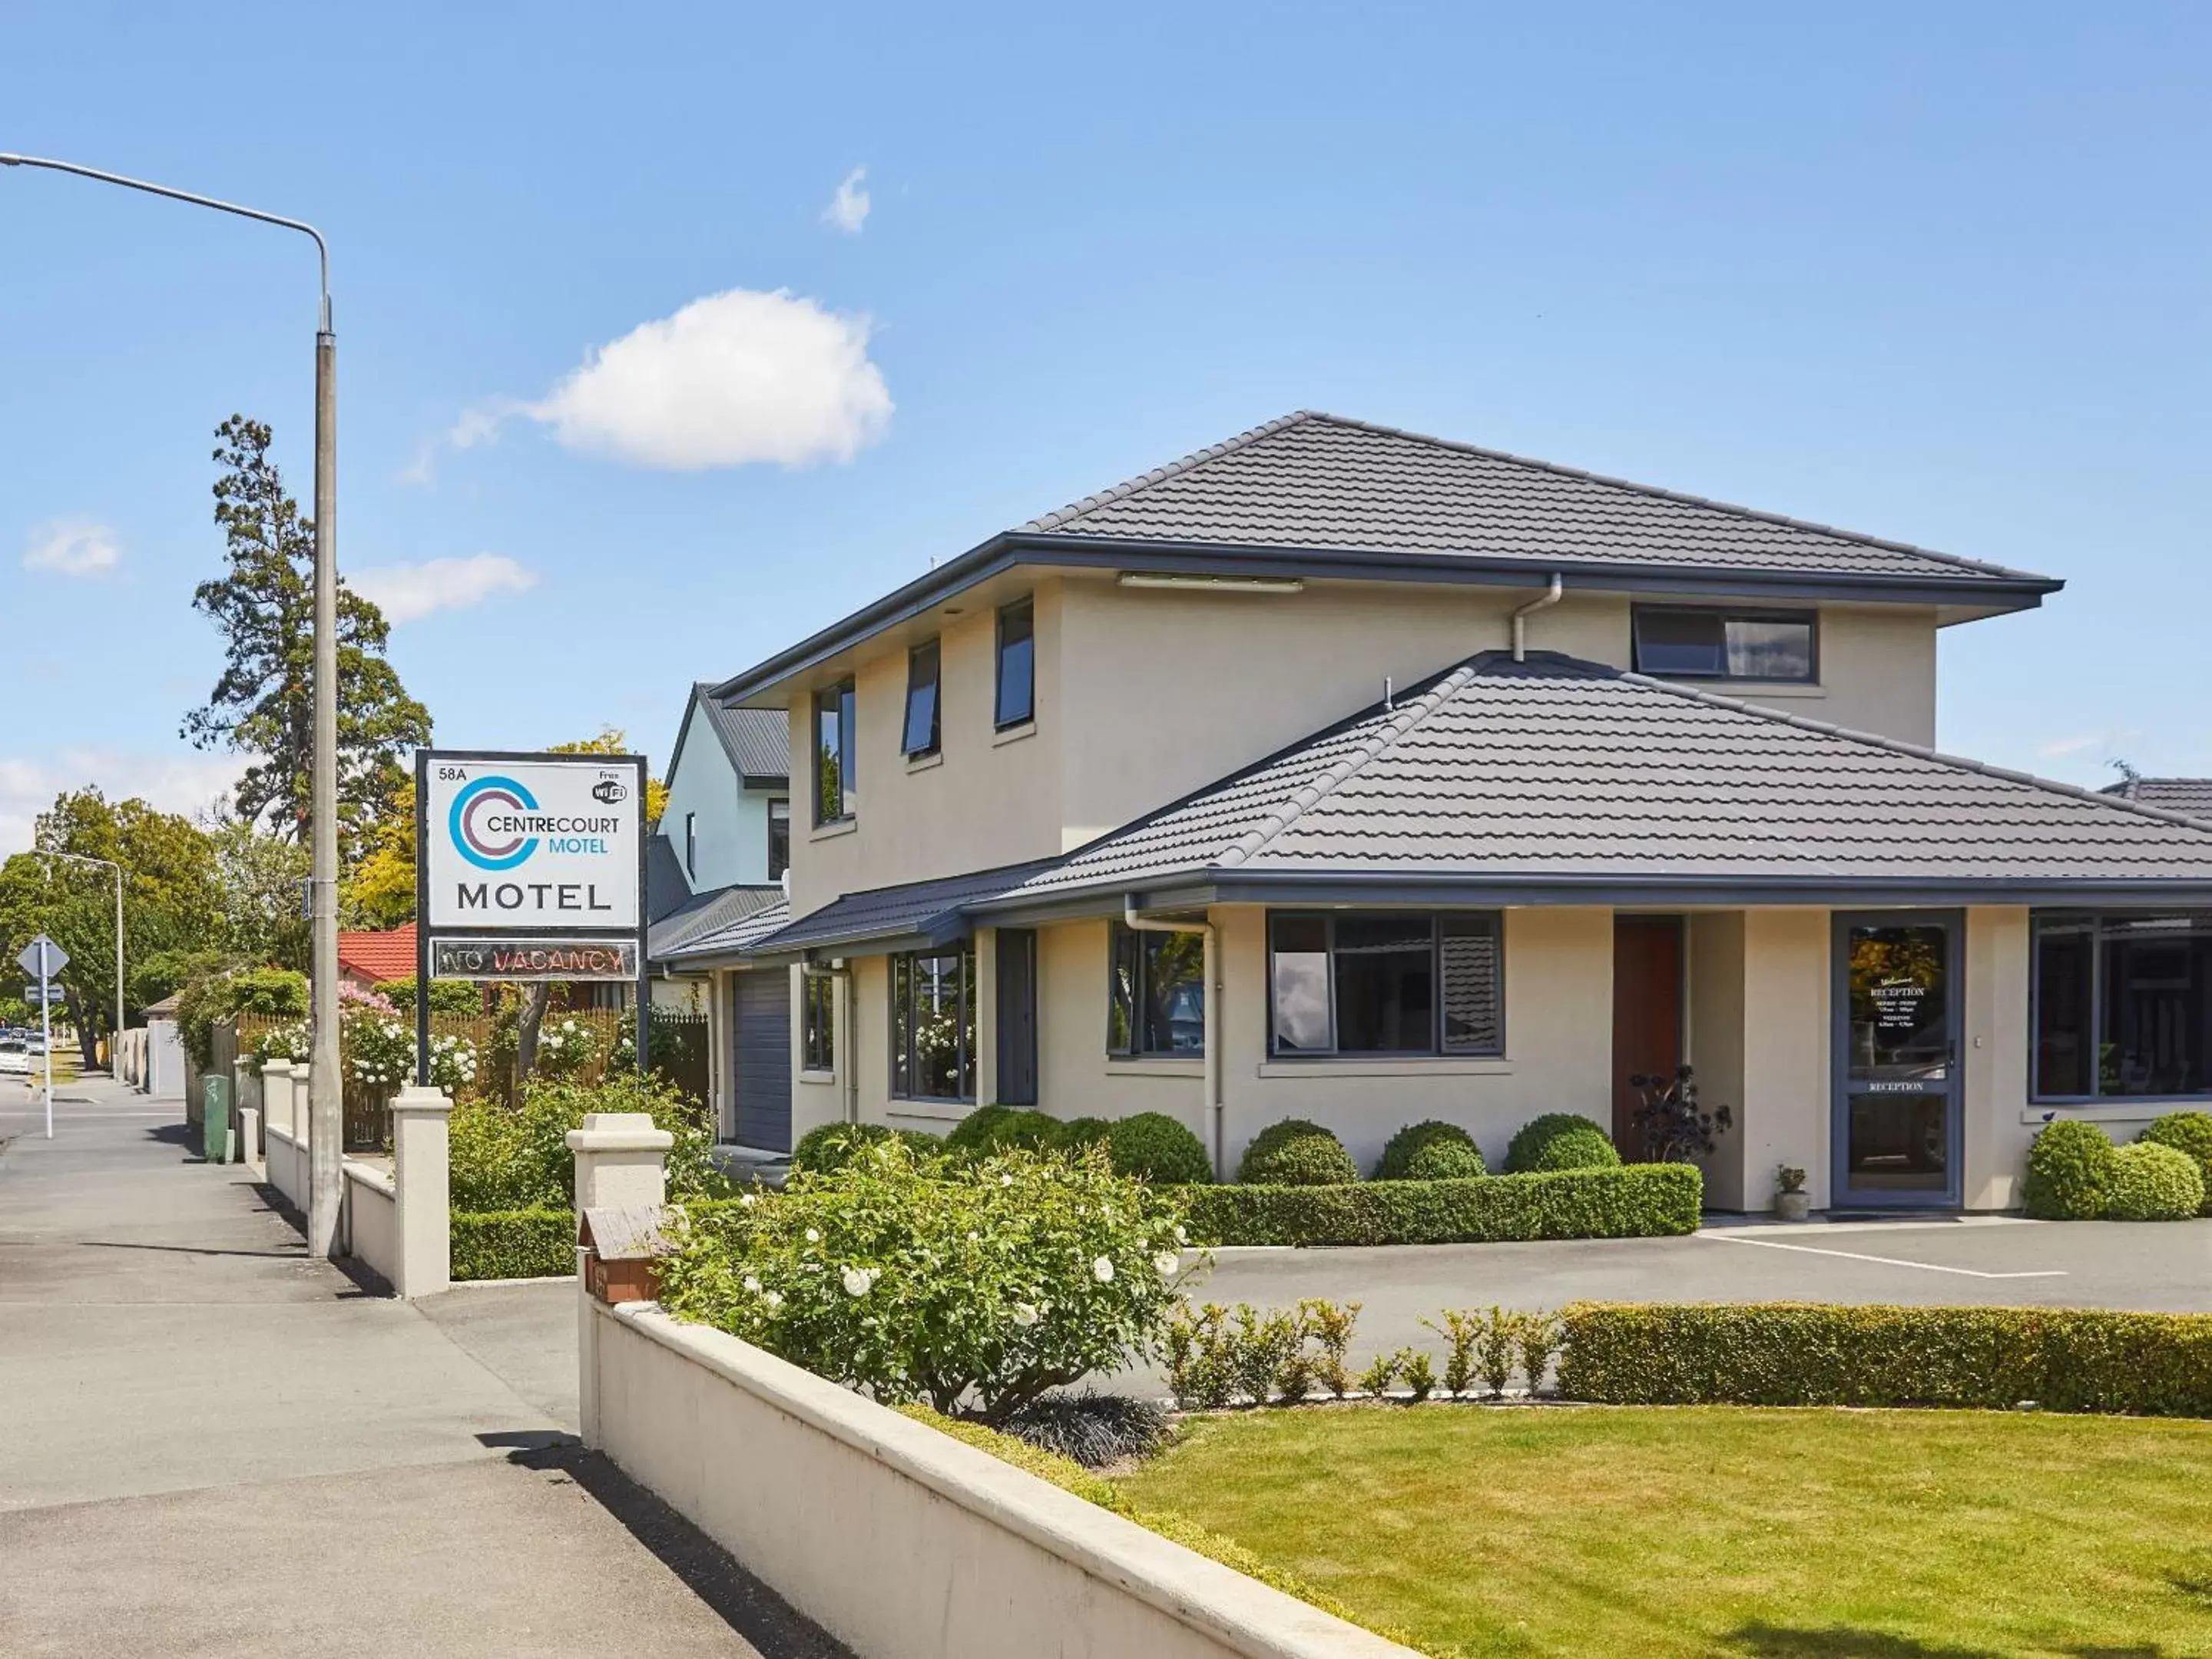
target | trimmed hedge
[
  {"x": 2190, "y": 1133},
  {"x": 831, "y": 1145},
  {"x": 2071, "y": 1168},
  {"x": 1433, "y": 1151},
  {"x": 1785, "y": 1353},
  {"x": 1296, "y": 1153},
  {"x": 1559, "y": 1140},
  {"x": 989, "y": 1129},
  {"x": 1637, "y": 1200},
  {"x": 2151, "y": 1182},
  {"x": 513, "y": 1243}
]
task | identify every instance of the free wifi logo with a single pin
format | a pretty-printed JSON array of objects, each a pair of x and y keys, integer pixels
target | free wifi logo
[{"x": 479, "y": 826}]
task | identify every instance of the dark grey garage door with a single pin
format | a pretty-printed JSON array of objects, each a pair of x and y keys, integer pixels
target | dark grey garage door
[{"x": 763, "y": 1029}]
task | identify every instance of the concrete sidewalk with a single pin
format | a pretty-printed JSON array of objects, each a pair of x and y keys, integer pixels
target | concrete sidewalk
[{"x": 214, "y": 1444}]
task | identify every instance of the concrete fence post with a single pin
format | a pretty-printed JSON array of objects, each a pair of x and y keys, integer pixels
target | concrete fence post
[
  {"x": 622, "y": 1162},
  {"x": 421, "y": 1177},
  {"x": 276, "y": 1095}
]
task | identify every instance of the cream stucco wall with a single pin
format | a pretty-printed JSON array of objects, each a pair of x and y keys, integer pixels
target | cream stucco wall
[
  {"x": 1715, "y": 1045},
  {"x": 1877, "y": 673},
  {"x": 1759, "y": 984}
]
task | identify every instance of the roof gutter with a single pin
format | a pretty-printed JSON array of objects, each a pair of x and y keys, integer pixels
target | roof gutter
[
  {"x": 1549, "y": 598},
  {"x": 1210, "y": 981}
]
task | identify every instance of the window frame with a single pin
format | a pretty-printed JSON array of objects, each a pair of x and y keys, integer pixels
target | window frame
[
  {"x": 691, "y": 845},
  {"x": 1141, "y": 945},
  {"x": 1808, "y": 616},
  {"x": 818, "y": 1022},
  {"x": 776, "y": 868},
  {"x": 932, "y": 649},
  {"x": 2096, "y": 921},
  {"x": 905, "y": 1064},
  {"x": 843, "y": 697},
  {"x": 1336, "y": 1051},
  {"x": 1001, "y": 721}
]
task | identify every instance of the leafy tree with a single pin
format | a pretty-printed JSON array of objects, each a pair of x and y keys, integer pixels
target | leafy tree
[
  {"x": 263, "y": 704},
  {"x": 259, "y": 878},
  {"x": 171, "y": 899},
  {"x": 613, "y": 740},
  {"x": 379, "y": 892}
]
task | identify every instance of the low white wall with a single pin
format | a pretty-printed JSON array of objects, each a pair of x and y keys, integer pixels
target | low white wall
[
  {"x": 370, "y": 1223},
  {"x": 900, "y": 1542},
  {"x": 288, "y": 1163}
]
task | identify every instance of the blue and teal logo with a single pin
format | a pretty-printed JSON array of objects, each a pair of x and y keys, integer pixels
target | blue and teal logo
[{"x": 486, "y": 824}]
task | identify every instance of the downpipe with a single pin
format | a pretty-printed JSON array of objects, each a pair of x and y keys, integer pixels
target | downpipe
[
  {"x": 1210, "y": 969},
  {"x": 1549, "y": 598}
]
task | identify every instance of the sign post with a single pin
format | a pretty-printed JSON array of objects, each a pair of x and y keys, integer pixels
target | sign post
[
  {"x": 528, "y": 866},
  {"x": 42, "y": 959}
]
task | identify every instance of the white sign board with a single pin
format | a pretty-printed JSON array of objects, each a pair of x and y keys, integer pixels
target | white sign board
[{"x": 546, "y": 845}]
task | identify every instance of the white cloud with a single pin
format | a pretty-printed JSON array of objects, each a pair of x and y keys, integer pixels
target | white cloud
[
  {"x": 2111, "y": 741},
  {"x": 73, "y": 547},
  {"x": 731, "y": 379},
  {"x": 185, "y": 783},
  {"x": 848, "y": 208},
  {"x": 405, "y": 592}
]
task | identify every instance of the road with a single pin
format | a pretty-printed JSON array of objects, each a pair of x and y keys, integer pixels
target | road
[{"x": 215, "y": 1445}]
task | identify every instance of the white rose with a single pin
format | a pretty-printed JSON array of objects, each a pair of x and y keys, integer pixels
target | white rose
[
  {"x": 1167, "y": 1261},
  {"x": 857, "y": 1281},
  {"x": 752, "y": 1284},
  {"x": 1102, "y": 1270},
  {"x": 1006, "y": 1180},
  {"x": 1025, "y": 1315},
  {"x": 814, "y": 1237},
  {"x": 1181, "y": 1238},
  {"x": 747, "y": 1201},
  {"x": 775, "y": 1300}
]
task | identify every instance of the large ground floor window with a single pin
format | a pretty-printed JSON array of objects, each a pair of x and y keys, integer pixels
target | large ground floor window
[
  {"x": 1156, "y": 992},
  {"x": 1386, "y": 982},
  {"x": 934, "y": 1025},
  {"x": 2123, "y": 1005}
]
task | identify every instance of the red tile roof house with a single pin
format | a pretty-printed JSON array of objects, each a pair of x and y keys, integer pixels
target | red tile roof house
[
  {"x": 367, "y": 960},
  {"x": 1341, "y": 773}
]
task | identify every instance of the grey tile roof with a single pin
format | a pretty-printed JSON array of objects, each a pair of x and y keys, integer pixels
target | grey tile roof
[
  {"x": 707, "y": 918},
  {"x": 1320, "y": 483},
  {"x": 1557, "y": 768},
  {"x": 2191, "y": 797},
  {"x": 667, "y": 888},
  {"x": 916, "y": 909},
  {"x": 756, "y": 740}
]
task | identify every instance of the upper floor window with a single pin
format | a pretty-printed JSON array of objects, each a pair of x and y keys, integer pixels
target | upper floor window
[
  {"x": 817, "y": 1022},
  {"x": 2123, "y": 1005},
  {"x": 1726, "y": 645},
  {"x": 1016, "y": 696},
  {"x": 920, "y": 737},
  {"x": 934, "y": 1025},
  {"x": 779, "y": 839},
  {"x": 691, "y": 844},
  {"x": 1155, "y": 992},
  {"x": 834, "y": 795},
  {"x": 1390, "y": 982}
]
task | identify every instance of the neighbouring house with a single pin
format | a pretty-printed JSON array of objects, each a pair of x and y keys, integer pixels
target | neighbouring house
[
  {"x": 716, "y": 861},
  {"x": 1341, "y": 773},
  {"x": 368, "y": 959},
  {"x": 2191, "y": 797}
]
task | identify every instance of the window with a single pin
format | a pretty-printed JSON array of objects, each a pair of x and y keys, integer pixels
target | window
[
  {"x": 1386, "y": 982},
  {"x": 1725, "y": 645},
  {"x": 920, "y": 737},
  {"x": 817, "y": 1023},
  {"x": 934, "y": 1025},
  {"x": 691, "y": 844},
  {"x": 779, "y": 839},
  {"x": 834, "y": 794},
  {"x": 1017, "y": 700},
  {"x": 2123, "y": 1005},
  {"x": 1156, "y": 992}
]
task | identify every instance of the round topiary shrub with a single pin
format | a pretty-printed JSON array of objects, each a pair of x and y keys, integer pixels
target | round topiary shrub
[
  {"x": 832, "y": 1146},
  {"x": 1560, "y": 1141},
  {"x": 1079, "y": 1134},
  {"x": 1154, "y": 1146},
  {"x": 2190, "y": 1133},
  {"x": 2151, "y": 1182},
  {"x": 1296, "y": 1153},
  {"x": 2070, "y": 1170},
  {"x": 989, "y": 1129},
  {"x": 973, "y": 1132},
  {"x": 1430, "y": 1151}
]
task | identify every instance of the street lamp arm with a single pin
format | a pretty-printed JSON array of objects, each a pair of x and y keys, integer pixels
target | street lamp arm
[{"x": 322, "y": 249}]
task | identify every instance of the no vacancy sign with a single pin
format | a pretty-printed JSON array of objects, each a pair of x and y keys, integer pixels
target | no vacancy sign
[{"x": 549, "y": 846}]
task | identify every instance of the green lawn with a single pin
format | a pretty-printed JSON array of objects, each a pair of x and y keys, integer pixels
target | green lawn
[{"x": 1791, "y": 1535}]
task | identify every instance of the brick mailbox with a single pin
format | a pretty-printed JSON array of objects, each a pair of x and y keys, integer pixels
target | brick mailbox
[{"x": 622, "y": 1245}]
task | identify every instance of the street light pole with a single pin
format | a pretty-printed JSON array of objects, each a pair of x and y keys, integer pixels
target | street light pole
[
  {"x": 325, "y": 1124},
  {"x": 115, "y": 1041}
]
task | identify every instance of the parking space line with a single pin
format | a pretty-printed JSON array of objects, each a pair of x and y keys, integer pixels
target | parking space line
[{"x": 1884, "y": 1261}]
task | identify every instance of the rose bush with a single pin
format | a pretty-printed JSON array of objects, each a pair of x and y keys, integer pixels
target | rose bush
[
  {"x": 976, "y": 1287},
  {"x": 565, "y": 1047},
  {"x": 517, "y": 1158},
  {"x": 378, "y": 1048}
]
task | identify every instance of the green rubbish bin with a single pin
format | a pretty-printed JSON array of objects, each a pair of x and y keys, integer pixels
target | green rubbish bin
[{"x": 215, "y": 1117}]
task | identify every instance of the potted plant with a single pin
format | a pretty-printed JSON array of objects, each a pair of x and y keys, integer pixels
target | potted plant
[{"x": 1791, "y": 1201}]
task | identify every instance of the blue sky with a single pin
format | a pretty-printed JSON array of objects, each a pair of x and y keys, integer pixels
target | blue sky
[{"x": 1933, "y": 273}]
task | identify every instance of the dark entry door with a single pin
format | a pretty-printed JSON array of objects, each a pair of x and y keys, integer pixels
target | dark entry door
[
  {"x": 1647, "y": 1013},
  {"x": 1897, "y": 1128},
  {"x": 1017, "y": 1016},
  {"x": 762, "y": 1026}
]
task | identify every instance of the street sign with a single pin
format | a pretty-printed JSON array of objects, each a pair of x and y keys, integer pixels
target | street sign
[
  {"x": 52, "y": 962},
  {"x": 36, "y": 993}
]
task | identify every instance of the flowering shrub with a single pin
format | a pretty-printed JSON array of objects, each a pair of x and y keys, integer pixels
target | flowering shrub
[
  {"x": 918, "y": 1277},
  {"x": 294, "y": 1042},
  {"x": 517, "y": 1158},
  {"x": 565, "y": 1048},
  {"x": 454, "y": 1064},
  {"x": 379, "y": 1049}
]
